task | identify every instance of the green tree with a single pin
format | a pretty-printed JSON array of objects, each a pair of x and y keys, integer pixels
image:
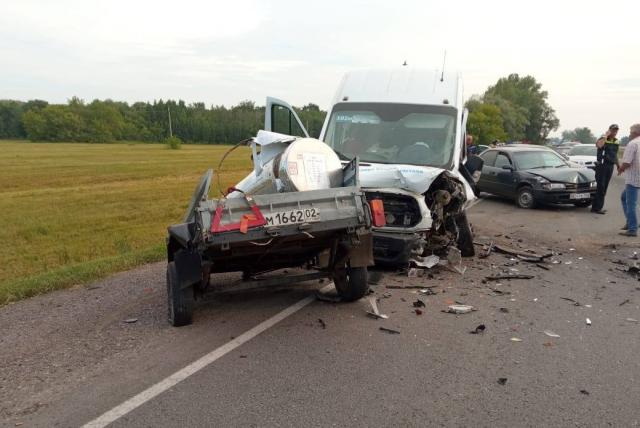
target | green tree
[
  {"x": 485, "y": 123},
  {"x": 584, "y": 135},
  {"x": 528, "y": 100}
]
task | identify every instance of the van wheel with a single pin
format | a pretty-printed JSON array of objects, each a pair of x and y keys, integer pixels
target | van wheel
[
  {"x": 525, "y": 198},
  {"x": 180, "y": 302},
  {"x": 351, "y": 283},
  {"x": 465, "y": 236}
]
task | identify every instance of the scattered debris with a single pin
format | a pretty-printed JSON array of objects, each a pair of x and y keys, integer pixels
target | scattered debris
[
  {"x": 499, "y": 292},
  {"x": 575, "y": 302},
  {"x": 625, "y": 302},
  {"x": 525, "y": 256},
  {"x": 426, "y": 262},
  {"x": 375, "y": 313},
  {"x": 418, "y": 304},
  {"x": 479, "y": 329},
  {"x": 516, "y": 339},
  {"x": 551, "y": 334},
  {"x": 408, "y": 287},
  {"x": 502, "y": 381},
  {"x": 487, "y": 252},
  {"x": 504, "y": 310},
  {"x": 588, "y": 321},
  {"x": 418, "y": 312},
  {"x": 508, "y": 276},
  {"x": 322, "y": 323},
  {"x": 389, "y": 330},
  {"x": 454, "y": 261},
  {"x": 330, "y": 296},
  {"x": 415, "y": 273},
  {"x": 632, "y": 320},
  {"x": 428, "y": 292},
  {"x": 584, "y": 391},
  {"x": 541, "y": 266},
  {"x": 459, "y": 309},
  {"x": 131, "y": 320}
]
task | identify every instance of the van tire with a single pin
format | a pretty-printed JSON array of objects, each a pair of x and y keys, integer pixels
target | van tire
[{"x": 465, "y": 236}]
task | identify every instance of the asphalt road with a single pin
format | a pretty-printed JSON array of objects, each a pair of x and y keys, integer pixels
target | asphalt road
[{"x": 68, "y": 357}]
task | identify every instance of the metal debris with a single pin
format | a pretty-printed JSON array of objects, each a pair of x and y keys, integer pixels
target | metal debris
[
  {"x": 389, "y": 330},
  {"x": 508, "y": 276},
  {"x": 551, "y": 334},
  {"x": 460, "y": 309},
  {"x": 625, "y": 302},
  {"x": 419, "y": 304},
  {"x": 575, "y": 302},
  {"x": 131, "y": 320},
  {"x": 375, "y": 313},
  {"x": 516, "y": 339},
  {"x": 502, "y": 381},
  {"x": 426, "y": 262}
]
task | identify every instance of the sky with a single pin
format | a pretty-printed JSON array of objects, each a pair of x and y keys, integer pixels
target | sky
[{"x": 586, "y": 54}]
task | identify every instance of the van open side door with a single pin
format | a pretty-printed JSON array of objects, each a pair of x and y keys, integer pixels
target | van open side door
[{"x": 280, "y": 117}]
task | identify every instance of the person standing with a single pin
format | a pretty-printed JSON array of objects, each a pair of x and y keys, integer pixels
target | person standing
[
  {"x": 607, "y": 157},
  {"x": 631, "y": 169},
  {"x": 471, "y": 148}
]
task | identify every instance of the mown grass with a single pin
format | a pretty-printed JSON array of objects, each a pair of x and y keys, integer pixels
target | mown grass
[{"x": 73, "y": 213}]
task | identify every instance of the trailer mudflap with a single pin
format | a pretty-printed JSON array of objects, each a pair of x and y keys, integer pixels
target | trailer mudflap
[
  {"x": 189, "y": 267},
  {"x": 361, "y": 255}
]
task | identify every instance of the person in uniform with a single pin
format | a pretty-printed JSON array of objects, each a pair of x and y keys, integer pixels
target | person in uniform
[{"x": 607, "y": 158}]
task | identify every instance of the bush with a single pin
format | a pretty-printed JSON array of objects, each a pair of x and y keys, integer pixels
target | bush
[{"x": 173, "y": 143}]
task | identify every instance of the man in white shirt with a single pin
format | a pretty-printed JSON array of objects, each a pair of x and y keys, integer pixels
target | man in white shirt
[{"x": 631, "y": 169}]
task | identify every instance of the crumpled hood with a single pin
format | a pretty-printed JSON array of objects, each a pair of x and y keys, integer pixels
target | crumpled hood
[
  {"x": 408, "y": 177},
  {"x": 565, "y": 175}
]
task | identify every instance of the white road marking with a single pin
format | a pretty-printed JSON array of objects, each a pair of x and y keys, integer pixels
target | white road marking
[{"x": 169, "y": 382}]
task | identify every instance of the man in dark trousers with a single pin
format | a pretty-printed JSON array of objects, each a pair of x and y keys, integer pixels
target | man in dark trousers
[{"x": 607, "y": 158}]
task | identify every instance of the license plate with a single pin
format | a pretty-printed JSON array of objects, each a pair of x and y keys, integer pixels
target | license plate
[
  {"x": 579, "y": 196},
  {"x": 306, "y": 215}
]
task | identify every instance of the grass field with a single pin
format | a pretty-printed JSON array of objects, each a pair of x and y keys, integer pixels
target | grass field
[{"x": 72, "y": 213}]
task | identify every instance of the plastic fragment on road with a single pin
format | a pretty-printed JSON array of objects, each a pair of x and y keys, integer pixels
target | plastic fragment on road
[
  {"x": 131, "y": 320},
  {"x": 389, "y": 330},
  {"x": 502, "y": 381},
  {"x": 584, "y": 392},
  {"x": 588, "y": 321},
  {"x": 375, "y": 313},
  {"x": 460, "y": 309},
  {"x": 428, "y": 292},
  {"x": 418, "y": 311},
  {"x": 322, "y": 323},
  {"x": 516, "y": 339},
  {"x": 454, "y": 261},
  {"x": 419, "y": 304},
  {"x": 426, "y": 262},
  {"x": 415, "y": 273},
  {"x": 551, "y": 333},
  {"x": 632, "y": 320}
]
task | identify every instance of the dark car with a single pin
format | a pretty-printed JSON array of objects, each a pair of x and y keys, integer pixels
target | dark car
[{"x": 535, "y": 174}]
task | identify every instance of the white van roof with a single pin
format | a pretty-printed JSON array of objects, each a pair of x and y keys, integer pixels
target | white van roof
[{"x": 400, "y": 85}]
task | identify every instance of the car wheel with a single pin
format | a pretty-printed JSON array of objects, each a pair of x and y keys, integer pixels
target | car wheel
[{"x": 525, "y": 198}]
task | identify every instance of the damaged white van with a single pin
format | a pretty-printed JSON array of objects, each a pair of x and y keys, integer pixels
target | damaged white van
[{"x": 407, "y": 127}]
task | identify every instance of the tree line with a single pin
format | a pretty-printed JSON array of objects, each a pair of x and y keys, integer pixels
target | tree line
[{"x": 102, "y": 121}]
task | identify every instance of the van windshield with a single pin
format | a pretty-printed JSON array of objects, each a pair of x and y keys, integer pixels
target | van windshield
[{"x": 393, "y": 133}]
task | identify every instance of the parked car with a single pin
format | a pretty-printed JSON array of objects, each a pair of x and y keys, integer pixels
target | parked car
[
  {"x": 564, "y": 148},
  {"x": 532, "y": 175},
  {"x": 584, "y": 155},
  {"x": 482, "y": 148}
]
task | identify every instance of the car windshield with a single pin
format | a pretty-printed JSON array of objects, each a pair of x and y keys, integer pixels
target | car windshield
[
  {"x": 393, "y": 133},
  {"x": 590, "y": 150},
  {"x": 535, "y": 159}
]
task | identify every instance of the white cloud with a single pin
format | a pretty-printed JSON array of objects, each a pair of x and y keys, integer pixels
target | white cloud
[{"x": 584, "y": 52}]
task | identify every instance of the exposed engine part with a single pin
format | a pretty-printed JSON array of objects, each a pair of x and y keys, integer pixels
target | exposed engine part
[
  {"x": 400, "y": 210},
  {"x": 445, "y": 199}
]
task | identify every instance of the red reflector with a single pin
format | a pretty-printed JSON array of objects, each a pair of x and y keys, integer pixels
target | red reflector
[{"x": 377, "y": 211}]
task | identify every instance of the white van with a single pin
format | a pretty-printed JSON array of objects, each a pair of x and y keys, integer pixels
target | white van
[{"x": 407, "y": 127}]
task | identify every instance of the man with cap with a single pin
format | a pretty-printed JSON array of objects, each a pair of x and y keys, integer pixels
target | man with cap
[
  {"x": 631, "y": 169},
  {"x": 607, "y": 158}
]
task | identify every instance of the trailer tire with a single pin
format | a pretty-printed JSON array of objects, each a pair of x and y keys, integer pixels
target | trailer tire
[
  {"x": 465, "y": 236},
  {"x": 351, "y": 283},
  {"x": 180, "y": 302}
]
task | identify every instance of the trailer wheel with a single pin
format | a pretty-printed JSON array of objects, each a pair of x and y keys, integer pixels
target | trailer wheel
[
  {"x": 465, "y": 236},
  {"x": 180, "y": 302},
  {"x": 351, "y": 283}
]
